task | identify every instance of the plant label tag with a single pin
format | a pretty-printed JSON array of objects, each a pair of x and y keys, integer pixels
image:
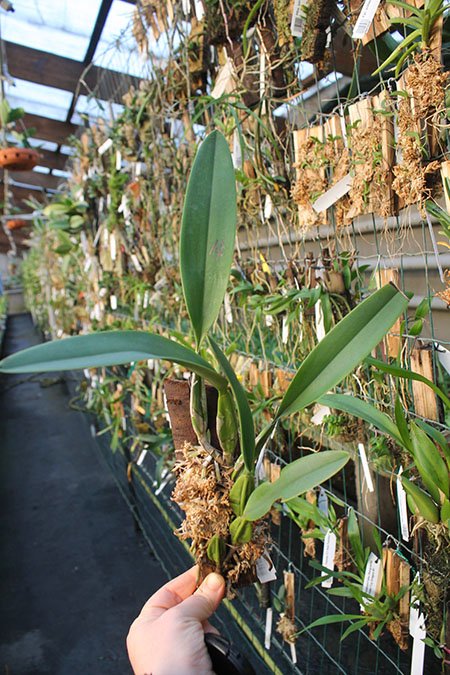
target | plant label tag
[
  {"x": 298, "y": 19},
  {"x": 93, "y": 431},
  {"x": 402, "y": 507},
  {"x": 269, "y": 320},
  {"x": 237, "y": 151},
  {"x": 322, "y": 502},
  {"x": 105, "y": 146},
  {"x": 199, "y": 11},
  {"x": 443, "y": 356},
  {"x": 329, "y": 550},
  {"x": 260, "y": 470},
  {"x": 136, "y": 263},
  {"x": 268, "y": 207},
  {"x": 265, "y": 569},
  {"x": 320, "y": 323},
  {"x": 113, "y": 302},
  {"x": 293, "y": 653},
  {"x": 418, "y": 650},
  {"x": 227, "y": 307},
  {"x": 365, "y": 467},
  {"x": 332, "y": 195},
  {"x": 113, "y": 246},
  {"x": 373, "y": 577},
  {"x": 320, "y": 412},
  {"x": 118, "y": 160},
  {"x": 285, "y": 331},
  {"x": 343, "y": 126},
  {"x": 225, "y": 80},
  {"x": 268, "y": 630},
  {"x": 365, "y": 18},
  {"x": 414, "y": 609},
  {"x": 141, "y": 458},
  {"x": 138, "y": 169},
  {"x": 186, "y": 5}
]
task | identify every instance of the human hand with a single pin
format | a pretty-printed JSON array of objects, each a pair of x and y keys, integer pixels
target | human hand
[{"x": 168, "y": 637}]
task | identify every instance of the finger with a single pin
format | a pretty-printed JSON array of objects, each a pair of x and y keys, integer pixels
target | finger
[
  {"x": 171, "y": 594},
  {"x": 205, "y": 600}
]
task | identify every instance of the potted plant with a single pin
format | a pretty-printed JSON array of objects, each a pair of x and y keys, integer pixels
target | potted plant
[
  {"x": 225, "y": 512},
  {"x": 20, "y": 157}
]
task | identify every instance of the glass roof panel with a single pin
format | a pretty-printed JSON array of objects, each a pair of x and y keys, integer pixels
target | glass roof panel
[
  {"x": 61, "y": 27},
  {"x": 39, "y": 99},
  {"x": 95, "y": 108}
]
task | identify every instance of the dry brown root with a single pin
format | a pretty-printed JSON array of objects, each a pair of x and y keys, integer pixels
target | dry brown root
[
  {"x": 202, "y": 492},
  {"x": 399, "y": 632},
  {"x": 425, "y": 83},
  {"x": 287, "y": 628}
]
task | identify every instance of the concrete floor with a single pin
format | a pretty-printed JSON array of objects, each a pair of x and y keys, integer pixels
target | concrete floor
[{"x": 73, "y": 572}]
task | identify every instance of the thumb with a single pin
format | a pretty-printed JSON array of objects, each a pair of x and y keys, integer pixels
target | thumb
[{"x": 205, "y": 600}]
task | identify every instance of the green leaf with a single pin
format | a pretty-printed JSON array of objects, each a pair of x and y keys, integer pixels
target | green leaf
[
  {"x": 423, "y": 502},
  {"x": 333, "y": 618},
  {"x": 240, "y": 530},
  {"x": 354, "y": 537},
  {"x": 246, "y": 427},
  {"x": 402, "y": 424},
  {"x": 343, "y": 348},
  {"x": 296, "y": 478},
  {"x": 208, "y": 232},
  {"x": 363, "y": 410},
  {"x": 408, "y": 375},
  {"x": 108, "y": 349},
  {"x": 429, "y": 463},
  {"x": 437, "y": 437}
]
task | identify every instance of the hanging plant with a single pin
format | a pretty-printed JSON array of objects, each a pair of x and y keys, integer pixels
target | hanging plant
[{"x": 19, "y": 157}]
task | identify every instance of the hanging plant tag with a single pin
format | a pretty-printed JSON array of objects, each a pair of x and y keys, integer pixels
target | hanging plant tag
[
  {"x": 285, "y": 331},
  {"x": 227, "y": 307},
  {"x": 320, "y": 323},
  {"x": 320, "y": 412},
  {"x": 93, "y": 430},
  {"x": 443, "y": 356},
  {"x": 414, "y": 610},
  {"x": 268, "y": 629},
  {"x": 225, "y": 81},
  {"x": 118, "y": 160},
  {"x": 365, "y": 467},
  {"x": 146, "y": 299},
  {"x": 265, "y": 569},
  {"x": 298, "y": 19},
  {"x": 418, "y": 650},
  {"x": 199, "y": 11},
  {"x": 329, "y": 550},
  {"x": 136, "y": 262},
  {"x": 186, "y": 5},
  {"x": 113, "y": 301},
  {"x": 402, "y": 507},
  {"x": 237, "y": 151},
  {"x": 373, "y": 577},
  {"x": 269, "y": 320},
  {"x": 141, "y": 458},
  {"x": 332, "y": 195},
  {"x": 365, "y": 19},
  {"x": 268, "y": 207},
  {"x": 322, "y": 502},
  {"x": 105, "y": 146}
]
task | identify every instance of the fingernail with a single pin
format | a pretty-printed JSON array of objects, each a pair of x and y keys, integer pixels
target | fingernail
[{"x": 214, "y": 581}]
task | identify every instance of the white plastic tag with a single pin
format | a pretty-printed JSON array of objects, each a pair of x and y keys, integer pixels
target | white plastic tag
[
  {"x": 237, "y": 151},
  {"x": 320, "y": 323},
  {"x": 269, "y": 320},
  {"x": 414, "y": 609},
  {"x": 329, "y": 550},
  {"x": 118, "y": 160},
  {"x": 265, "y": 570},
  {"x": 322, "y": 502},
  {"x": 268, "y": 630},
  {"x": 186, "y": 5},
  {"x": 199, "y": 11},
  {"x": 298, "y": 19},
  {"x": 113, "y": 246},
  {"x": 285, "y": 330},
  {"x": 320, "y": 412},
  {"x": 113, "y": 302},
  {"x": 402, "y": 507},
  {"x": 418, "y": 650},
  {"x": 443, "y": 356},
  {"x": 105, "y": 146},
  {"x": 93, "y": 431},
  {"x": 141, "y": 458},
  {"x": 136, "y": 263},
  {"x": 293, "y": 653},
  {"x": 373, "y": 577},
  {"x": 365, "y": 467},
  {"x": 365, "y": 18},
  {"x": 268, "y": 207},
  {"x": 227, "y": 307},
  {"x": 332, "y": 195}
]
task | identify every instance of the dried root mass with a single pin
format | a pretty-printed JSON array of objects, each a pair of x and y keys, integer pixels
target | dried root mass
[{"x": 202, "y": 492}]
